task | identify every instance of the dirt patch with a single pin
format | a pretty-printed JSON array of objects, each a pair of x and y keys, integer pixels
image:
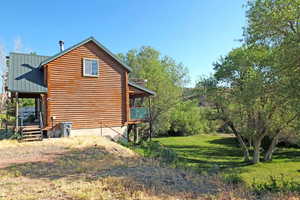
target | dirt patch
[{"x": 13, "y": 152}]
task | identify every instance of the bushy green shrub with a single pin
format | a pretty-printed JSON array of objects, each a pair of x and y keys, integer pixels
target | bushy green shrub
[
  {"x": 187, "y": 118},
  {"x": 233, "y": 179},
  {"x": 9, "y": 134},
  {"x": 276, "y": 184},
  {"x": 155, "y": 150}
]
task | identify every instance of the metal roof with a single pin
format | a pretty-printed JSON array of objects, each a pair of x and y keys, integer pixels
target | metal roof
[
  {"x": 82, "y": 43},
  {"x": 24, "y": 74},
  {"x": 141, "y": 88}
]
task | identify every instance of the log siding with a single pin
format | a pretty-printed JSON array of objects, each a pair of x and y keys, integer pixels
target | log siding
[{"x": 87, "y": 101}]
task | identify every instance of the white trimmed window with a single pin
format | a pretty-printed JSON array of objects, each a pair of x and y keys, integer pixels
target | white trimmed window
[{"x": 90, "y": 67}]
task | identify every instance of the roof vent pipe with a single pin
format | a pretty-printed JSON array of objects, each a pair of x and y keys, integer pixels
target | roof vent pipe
[{"x": 61, "y": 45}]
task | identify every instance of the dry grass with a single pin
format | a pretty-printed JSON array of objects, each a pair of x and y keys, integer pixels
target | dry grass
[
  {"x": 13, "y": 152},
  {"x": 91, "y": 168},
  {"x": 76, "y": 142},
  {"x": 94, "y": 168}
]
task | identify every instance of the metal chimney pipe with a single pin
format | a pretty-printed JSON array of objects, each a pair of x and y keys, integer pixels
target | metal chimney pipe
[{"x": 61, "y": 45}]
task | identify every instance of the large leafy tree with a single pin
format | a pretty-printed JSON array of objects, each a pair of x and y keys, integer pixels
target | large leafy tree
[
  {"x": 256, "y": 87},
  {"x": 249, "y": 99},
  {"x": 273, "y": 21},
  {"x": 164, "y": 76},
  {"x": 276, "y": 23}
]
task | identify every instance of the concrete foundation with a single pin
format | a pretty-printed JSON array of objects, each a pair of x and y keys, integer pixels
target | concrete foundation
[{"x": 115, "y": 133}]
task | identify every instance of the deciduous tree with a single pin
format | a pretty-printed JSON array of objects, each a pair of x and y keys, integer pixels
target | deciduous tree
[
  {"x": 250, "y": 99},
  {"x": 164, "y": 76}
]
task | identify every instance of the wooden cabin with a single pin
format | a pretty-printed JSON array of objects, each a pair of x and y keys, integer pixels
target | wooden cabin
[{"x": 85, "y": 84}]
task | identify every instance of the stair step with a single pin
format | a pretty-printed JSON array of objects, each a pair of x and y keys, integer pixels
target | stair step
[
  {"x": 31, "y": 126},
  {"x": 31, "y": 136},
  {"x": 32, "y": 132},
  {"x": 27, "y": 130},
  {"x": 30, "y": 129},
  {"x": 31, "y": 139}
]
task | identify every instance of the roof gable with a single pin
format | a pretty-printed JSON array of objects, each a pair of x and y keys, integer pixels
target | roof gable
[{"x": 82, "y": 43}]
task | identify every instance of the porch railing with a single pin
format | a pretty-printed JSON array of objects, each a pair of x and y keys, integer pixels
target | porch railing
[{"x": 139, "y": 113}]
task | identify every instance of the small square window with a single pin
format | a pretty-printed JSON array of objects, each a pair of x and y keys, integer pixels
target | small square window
[{"x": 90, "y": 67}]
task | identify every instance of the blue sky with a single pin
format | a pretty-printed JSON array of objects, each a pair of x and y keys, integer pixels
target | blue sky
[{"x": 194, "y": 32}]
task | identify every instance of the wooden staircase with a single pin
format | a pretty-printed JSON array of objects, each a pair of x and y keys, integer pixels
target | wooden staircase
[{"x": 31, "y": 133}]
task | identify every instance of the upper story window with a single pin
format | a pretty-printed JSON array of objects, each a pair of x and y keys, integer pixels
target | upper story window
[{"x": 90, "y": 67}]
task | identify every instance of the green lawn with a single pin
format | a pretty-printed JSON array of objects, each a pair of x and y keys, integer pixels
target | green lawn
[{"x": 210, "y": 152}]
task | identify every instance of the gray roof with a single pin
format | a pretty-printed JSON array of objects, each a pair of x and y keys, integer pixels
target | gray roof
[
  {"x": 81, "y": 43},
  {"x": 24, "y": 74},
  {"x": 141, "y": 88}
]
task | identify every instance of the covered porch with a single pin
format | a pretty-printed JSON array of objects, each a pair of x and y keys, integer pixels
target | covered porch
[
  {"x": 139, "y": 103},
  {"x": 29, "y": 109},
  {"x": 26, "y": 83},
  {"x": 30, "y": 113},
  {"x": 140, "y": 108}
]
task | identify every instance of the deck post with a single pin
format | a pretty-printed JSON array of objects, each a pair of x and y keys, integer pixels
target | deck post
[
  {"x": 128, "y": 131},
  {"x": 137, "y": 135},
  {"x": 17, "y": 112},
  {"x": 134, "y": 133},
  {"x": 36, "y": 108},
  {"x": 150, "y": 119}
]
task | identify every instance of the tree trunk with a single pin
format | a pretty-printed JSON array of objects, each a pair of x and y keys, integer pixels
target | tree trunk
[
  {"x": 250, "y": 142},
  {"x": 271, "y": 149},
  {"x": 241, "y": 142},
  {"x": 256, "y": 150},
  {"x": 256, "y": 154},
  {"x": 257, "y": 144}
]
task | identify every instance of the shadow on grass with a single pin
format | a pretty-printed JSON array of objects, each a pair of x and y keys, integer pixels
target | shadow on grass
[
  {"x": 96, "y": 164},
  {"x": 207, "y": 157},
  {"x": 291, "y": 154},
  {"x": 227, "y": 141},
  {"x": 223, "y": 156}
]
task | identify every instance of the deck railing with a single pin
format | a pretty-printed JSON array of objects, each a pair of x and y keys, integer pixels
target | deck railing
[{"x": 139, "y": 113}]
